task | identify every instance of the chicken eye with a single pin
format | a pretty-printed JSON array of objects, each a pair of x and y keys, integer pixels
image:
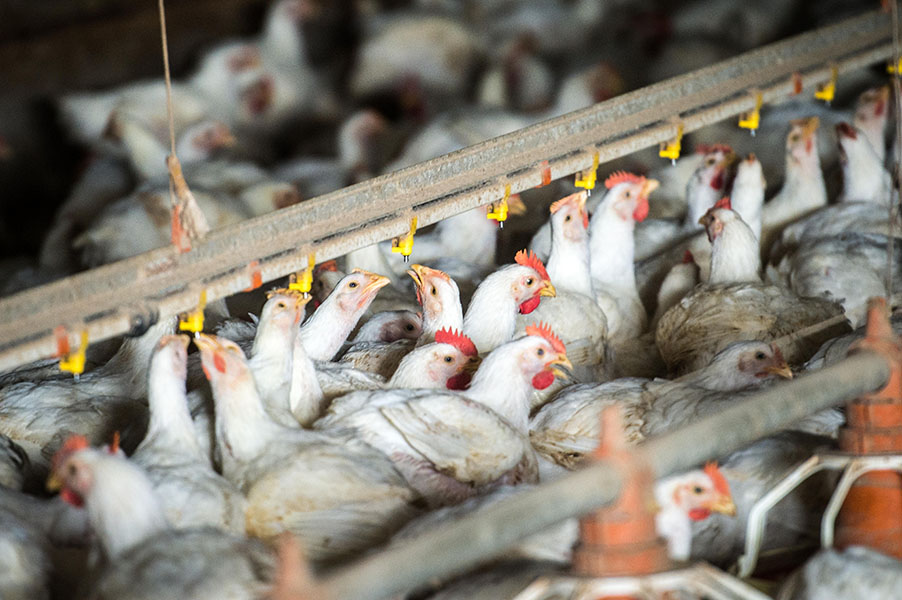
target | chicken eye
[
  {"x": 281, "y": 304},
  {"x": 352, "y": 285},
  {"x": 433, "y": 291},
  {"x": 408, "y": 327},
  {"x": 697, "y": 490},
  {"x": 628, "y": 194},
  {"x": 794, "y": 138},
  {"x": 568, "y": 218},
  {"x": 710, "y": 162},
  {"x": 540, "y": 352},
  {"x": 530, "y": 281},
  {"x": 448, "y": 359},
  {"x": 760, "y": 355},
  {"x": 72, "y": 470}
]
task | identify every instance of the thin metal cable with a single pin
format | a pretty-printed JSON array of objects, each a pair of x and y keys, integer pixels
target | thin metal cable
[
  {"x": 897, "y": 167},
  {"x": 168, "y": 79}
]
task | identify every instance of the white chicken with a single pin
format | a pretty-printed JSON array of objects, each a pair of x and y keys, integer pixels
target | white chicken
[
  {"x": 611, "y": 253},
  {"x": 864, "y": 177},
  {"x": 573, "y": 313},
  {"x": 871, "y": 116},
  {"x": 191, "y": 494},
  {"x": 567, "y": 429},
  {"x": 437, "y": 53},
  {"x": 738, "y": 306},
  {"x": 450, "y": 446},
  {"x": 39, "y": 415},
  {"x": 337, "y": 494},
  {"x": 439, "y": 297},
  {"x": 686, "y": 498},
  {"x": 803, "y": 188},
  {"x": 144, "y": 557},
  {"x": 491, "y": 318},
  {"x": 734, "y": 254},
  {"x": 147, "y": 150},
  {"x": 332, "y": 322}
]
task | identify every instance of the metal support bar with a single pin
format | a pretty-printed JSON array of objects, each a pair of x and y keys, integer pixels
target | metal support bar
[
  {"x": 455, "y": 547},
  {"x": 105, "y": 299}
]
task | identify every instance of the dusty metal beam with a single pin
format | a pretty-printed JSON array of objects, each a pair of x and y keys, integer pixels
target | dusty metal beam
[
  {"x": 455, "y": 547},
  {"x": 106, "y": 300}
]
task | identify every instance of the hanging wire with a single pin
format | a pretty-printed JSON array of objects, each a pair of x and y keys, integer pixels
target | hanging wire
[
  {"x": 897, "y": 163},
  {"x": 168, "y": 78}
]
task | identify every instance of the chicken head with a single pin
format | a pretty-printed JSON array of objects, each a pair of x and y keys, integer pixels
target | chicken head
[{"x": 531, "y": 282}]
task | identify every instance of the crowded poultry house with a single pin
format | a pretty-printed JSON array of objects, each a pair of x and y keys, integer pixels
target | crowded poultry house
[{"x": 272, "y": 442}]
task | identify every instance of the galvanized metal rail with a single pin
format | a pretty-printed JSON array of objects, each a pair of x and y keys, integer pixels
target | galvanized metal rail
[
  {"x": 115, "y": 298},
  {"x": 455, "y": 547}
]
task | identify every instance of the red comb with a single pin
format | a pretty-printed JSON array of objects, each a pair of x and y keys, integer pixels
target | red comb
[
  {"x": 620, "y": 177},
  {"x": 329, "y": 265},
  {"x": 529, "y": 259},
  {"x": 723, "y": 203},
  {"x": 73, "y": 444},
  {"x": 572, "y": 198},
  {"x": 544, "y": 330},
  {"x": 717, "y": 478},
  {"x": 456, "y": 339},
  {"x": 709, "y": 148}
]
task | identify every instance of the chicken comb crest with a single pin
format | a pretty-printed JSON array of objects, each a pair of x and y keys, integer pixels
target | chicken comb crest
[
  {"x": 710, "y": 148},
  {"x": 717, "y": 478},
  {"x": 808, "y": 125},
  {"x": 73, "y": 444},
  {"x": 542, "y": 329},
  {"x": 528, "y": 258},
  {"x": 579, "y": 198},
  {"x": 618, "y": 177},
  {"x": 281, "y": 292},
  {"x": 329, "y": 265},
  {"x": 724, "y": 203},
  {"x": 456, "y": 339}
]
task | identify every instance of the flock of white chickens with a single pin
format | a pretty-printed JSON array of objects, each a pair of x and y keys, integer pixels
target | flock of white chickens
[{"x": 414, "y": 393}]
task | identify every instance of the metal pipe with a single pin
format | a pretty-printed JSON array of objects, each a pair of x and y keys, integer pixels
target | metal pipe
[
  {"x": 103, "y": 301},
  {"x": 455, "y": 547}
]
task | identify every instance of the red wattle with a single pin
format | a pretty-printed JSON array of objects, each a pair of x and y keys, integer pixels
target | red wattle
[
  {"x": 542, "y": 380},
  {"x": 585, "y": 219},
  {"x": 72, "y": 498},
  {"x": 879, "y": 108},
  {"x": 717, "y": 181},
  {"x": 206, "y": 372},
  {"x": 459, "y": 382},
  {"x": 699, "y": 514},
  {"x": 530, "y": 305},
  {"x": 219, "y": 363},
  {"x": 641, "y": 210},
  {"x": 808, "y": 145}
]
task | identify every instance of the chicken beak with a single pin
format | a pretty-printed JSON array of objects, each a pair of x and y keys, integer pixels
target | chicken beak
[
  {"x": 548, "y": 290},
  {"x": 205, "y": 343},
  {"x": 54, "y": 483},
  {"x": 648, "y": 187},
  {"x": 781, "y": 370},
  {"x": 515, "y": 205},
  {"x": 417, "y": 273},
  {"x": 561, "y": 367},
  {"x": 472, "y": 365},
  {"x": 724, "y": 505},
  {"x": 375, "y": 283}
]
